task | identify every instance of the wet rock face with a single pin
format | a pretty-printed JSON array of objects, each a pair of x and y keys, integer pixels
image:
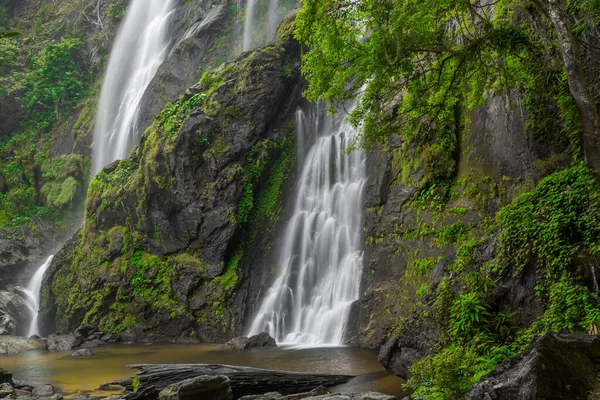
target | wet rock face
[
  {"x": 553, "y": 367},
  {"x": 14, "y": 313},
  {"x": 493, "y": 145},
  {"x": 397, "y": 356},
  {"x": 196, "y": 28},
  {"x": 170, "y": 212}
]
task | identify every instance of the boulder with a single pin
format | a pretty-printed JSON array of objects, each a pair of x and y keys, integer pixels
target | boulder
[
  {"x": 237, "y": 343},
  {"x": 82, "y": 353},
  {"x": 7, "y": 391},
  {"x": 64, "y": 342},
  {"x": 556, "y": 366},
  {"x": 262, "y": 340},
  {"x": 46, "y": 390},
  {"x": 13, "y": 312},
  {"x": 5, "y": 376},
  {"x": 202, "y": 387},
  {"x": 86, "y": 330},
  {"x": 18, "y": 344},
  {"x": 397, "y": 358}
]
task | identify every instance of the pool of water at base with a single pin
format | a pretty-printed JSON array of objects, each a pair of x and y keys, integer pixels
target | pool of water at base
[{"x": 78, "y": 375}]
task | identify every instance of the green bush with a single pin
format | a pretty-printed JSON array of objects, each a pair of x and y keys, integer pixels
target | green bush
[{"x": 56, "y": 84}]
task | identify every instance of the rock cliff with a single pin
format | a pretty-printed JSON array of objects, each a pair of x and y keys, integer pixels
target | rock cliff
[{"x": 167, "y": 231}]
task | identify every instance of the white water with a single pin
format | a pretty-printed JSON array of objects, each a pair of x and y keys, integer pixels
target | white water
[
  {"x": 258, "y": 31},
  {"x": 33, "y": 292},
  {"x": 139, "y": 49},
  {"x": 319, "y": 270}
]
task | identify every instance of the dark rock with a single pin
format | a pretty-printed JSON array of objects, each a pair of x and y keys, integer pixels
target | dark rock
[
  {"x": 23, "y": 393},
  {"x": 6, "y": 391},
  {"x": 18, "y": 344},
  {"x": 19, "y": 384},
  {"x": 262, "y": 340},
  {"x": 266, "y": 396},
  {"x": 278, "y": 396},
  {"x": 13, "y": 312},
  {"x": 94, "y": 336},
  {"x": 5, "y": 376},
  {"x": 397, "y": 358},
  {"x": 553, "y": 367},
  {"x": 82, "y": 353},
  {"x": 64, "y": 342},
  {"x": 43, "y": 391},
  {"x": 201, "y": 387},
  {"x": 237, "y": 343},
  {"x": 111, "y": 338},
  {"x": 153, "y": 378},
  {"x": 86, "y": 330},
  {"x": 353, "y": 396}
]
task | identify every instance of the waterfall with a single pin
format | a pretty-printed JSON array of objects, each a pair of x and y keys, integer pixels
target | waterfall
[
  {"x": 33, "y": 292},
  {"x": 319, "y": 270},
  {"x": 261, "y": 22},
  {"x": 249, "y": 25},
  {"x": 140, "y": 47}
]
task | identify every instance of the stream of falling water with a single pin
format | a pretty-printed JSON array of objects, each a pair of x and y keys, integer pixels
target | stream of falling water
[
  {"x": 319, "y": 269},
  {"x": 33, "y": 292},
  {"x": 262, "y": 21},
  {"x": 140, "y": 47}
]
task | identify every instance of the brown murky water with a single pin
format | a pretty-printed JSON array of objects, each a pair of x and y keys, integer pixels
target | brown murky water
[{"x": 72, "y": 375}]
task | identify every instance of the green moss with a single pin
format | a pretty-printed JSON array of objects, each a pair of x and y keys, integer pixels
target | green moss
[{"x": 554, "y": 229}]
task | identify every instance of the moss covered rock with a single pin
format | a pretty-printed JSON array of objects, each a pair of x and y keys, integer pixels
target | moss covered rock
[{"x": 168, "y": 229}]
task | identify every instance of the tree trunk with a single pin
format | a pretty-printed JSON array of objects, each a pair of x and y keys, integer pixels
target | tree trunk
[
  {"x": 153, "y": 378},
  {"x": 570, "y": 51}
]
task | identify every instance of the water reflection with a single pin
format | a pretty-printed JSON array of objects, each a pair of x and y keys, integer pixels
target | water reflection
[{"x": 72, "y": 375}]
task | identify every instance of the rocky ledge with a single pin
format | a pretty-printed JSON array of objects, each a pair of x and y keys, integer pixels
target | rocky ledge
[{"x": 17, "y": 390}]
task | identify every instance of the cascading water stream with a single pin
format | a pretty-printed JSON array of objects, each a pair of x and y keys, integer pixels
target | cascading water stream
[
  {"x": 139, "y": 49},
  {"x": 33, "y": 292},
  {"x": 319, "y": 270},
  {"x": 257, "y": 30}
]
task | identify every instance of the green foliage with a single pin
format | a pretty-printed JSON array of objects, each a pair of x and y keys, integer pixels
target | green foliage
[
  {"x": 117, "y": 10},
  {"x": 417, "y": 77},
  {"x": 554, "y": 225},
  {"x": 554, "y": 229},
  {"x": 57, "y": 83}
]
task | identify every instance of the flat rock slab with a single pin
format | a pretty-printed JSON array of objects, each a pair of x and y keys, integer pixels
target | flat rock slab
[
  {"x": 153, "y": 378},
  {"x": 18, "y": 344}
]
